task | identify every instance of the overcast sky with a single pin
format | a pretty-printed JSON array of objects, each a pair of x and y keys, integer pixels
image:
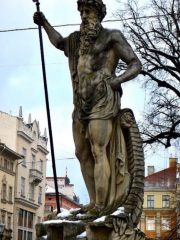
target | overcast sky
[{"x": 21, "y": 82}]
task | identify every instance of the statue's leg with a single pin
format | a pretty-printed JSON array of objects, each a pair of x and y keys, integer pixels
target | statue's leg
[
  {"x": 84, "y": 155},
  {"x": 100, "y": 132}
]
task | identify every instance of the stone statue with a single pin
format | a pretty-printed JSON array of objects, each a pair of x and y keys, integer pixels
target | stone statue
[{"x": 106, "y": 137}]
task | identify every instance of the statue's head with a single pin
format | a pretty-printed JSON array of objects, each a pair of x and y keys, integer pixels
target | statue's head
[{"x": 97, "y": 5}]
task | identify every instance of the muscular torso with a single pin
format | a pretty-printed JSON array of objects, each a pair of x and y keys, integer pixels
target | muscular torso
[{"x": 99, "y": 63}]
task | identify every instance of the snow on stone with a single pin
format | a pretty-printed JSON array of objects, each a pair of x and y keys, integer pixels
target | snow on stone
[
  {"x": 82, "y": 235},
  {"x": 59, "y": 221},
  {"x": 52, "y": 221},
  {"x": 101, "y": 219},
  {"x": 64, "y": 214},
  {"x": 80, "y": 215},
  {"x": 121, "y": 208},
  {"x": 62, "y": 210},
  {"x": 72, "y": 210},
  {"x": 118, "y": 211}
]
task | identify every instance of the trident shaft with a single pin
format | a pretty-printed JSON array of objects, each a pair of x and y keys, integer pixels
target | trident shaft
[{"x": 48, "y": 110}]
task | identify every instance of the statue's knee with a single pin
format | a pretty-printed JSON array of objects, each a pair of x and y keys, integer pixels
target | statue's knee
[{"x": 97, "y": 152}]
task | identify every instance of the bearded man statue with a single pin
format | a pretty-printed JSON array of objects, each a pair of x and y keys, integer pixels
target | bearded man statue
[{"x": 106, "y": 137}]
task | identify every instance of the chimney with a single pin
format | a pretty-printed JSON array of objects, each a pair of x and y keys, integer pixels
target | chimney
[
  {"x": 45, "y": 133},
  {"x": 173, "y": 161},
  {"x": 20, "y": 112},
  {"x": 151, "y": 170},
  {"x": 29, "y": 119}
]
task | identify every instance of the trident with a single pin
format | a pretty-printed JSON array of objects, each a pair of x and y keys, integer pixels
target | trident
[{"x": 48, "y": 110}]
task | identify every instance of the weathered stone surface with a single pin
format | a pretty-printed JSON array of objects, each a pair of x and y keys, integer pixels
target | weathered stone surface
[
  {"x": 107, "y": 140},
  {"x": 117, "y": 227},
  {"x": 58, "y": 230}
]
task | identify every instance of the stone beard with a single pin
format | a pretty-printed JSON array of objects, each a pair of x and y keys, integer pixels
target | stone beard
[{"x": 89, "y": 31}]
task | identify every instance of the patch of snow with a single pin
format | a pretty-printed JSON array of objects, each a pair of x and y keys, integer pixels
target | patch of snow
[
  {"x": 117, "y": 212},
  {"x": 52, "y": 221},
  {"x": 72, "y": 210},
  {"x": 80, "y": 215},
  {"x": 59, "y": 221},
  {"x": 64, "y": 214},
  {"x": 121, "y": 208},
  {"x": 82, "y": 235},
  {"x": 101, "y": 219},
  {"x": 44, "y": 237},
  {"x": 62, "y": 210}
]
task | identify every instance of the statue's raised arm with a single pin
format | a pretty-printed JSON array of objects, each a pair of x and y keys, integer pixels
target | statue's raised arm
[{"x": 56, "y": 38}]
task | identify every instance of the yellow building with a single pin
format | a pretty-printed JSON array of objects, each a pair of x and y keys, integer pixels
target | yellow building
[
  {"x": 159, "y": 216},
  {"x": 8, "y": 161},
  {"x": 29, "y": 193}
]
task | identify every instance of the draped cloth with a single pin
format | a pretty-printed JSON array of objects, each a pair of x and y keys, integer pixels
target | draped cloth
[{"x": 103, "y": 104}]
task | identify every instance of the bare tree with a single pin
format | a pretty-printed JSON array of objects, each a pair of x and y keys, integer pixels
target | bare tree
[{"x": 154, "y": 31}]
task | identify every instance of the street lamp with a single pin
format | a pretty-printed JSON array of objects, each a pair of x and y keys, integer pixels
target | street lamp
[{"x": 2, "y": 226}]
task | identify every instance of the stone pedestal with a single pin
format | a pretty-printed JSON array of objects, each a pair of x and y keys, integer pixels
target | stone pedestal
[
  {"x": 59, "y": 230},
  {"x": 114, "y": 229}
]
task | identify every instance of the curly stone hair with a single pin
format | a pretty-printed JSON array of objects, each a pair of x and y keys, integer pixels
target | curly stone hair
[{"x": 98, "y": 5}]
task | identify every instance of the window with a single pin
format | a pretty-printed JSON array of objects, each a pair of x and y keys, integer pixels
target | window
[
  {"x": 165, "y": 201},
  {"x": 30, "y": 220},
  {"x": 3, "y": 218},
  {"x": 41, "y": 166},
  {"x": 33, "y": 161},
  {"x": 150, "y": 224},
  {"x": 4, "y": 192},
  {"x": 10, "y": 194},
  {"x": 31, "y": 191},
  {"x": 22, "y": 186},
  {"x": 9, "y": 223},
  {"x": 25, "y": 218},
  {"x": 11, "y": 166},
  {"x": 150, "y": 201},
  {"x": 25, "y": 235},
  {"x": 25, "y": 224},
  {"x": 29, "y": 236},
  {"x": 24, "y": 154},
  {"x": 40, "y": 195},
  {"x": 20, "y": 234},
  {"x": 5, "y": 163},
  {"x": 166, "y": 224},
  {"x": 20, "y": 222}
]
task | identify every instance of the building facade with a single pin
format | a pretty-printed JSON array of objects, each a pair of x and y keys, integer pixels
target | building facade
[
  {"x": 30, "y": 173},
  {"x": 159, "y": 217},
  {"x": 8, "y": 161},
  {"x": 67, "y": 197}
]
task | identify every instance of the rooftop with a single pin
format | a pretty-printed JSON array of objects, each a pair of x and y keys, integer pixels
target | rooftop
[{"x": 165, "y": 179}]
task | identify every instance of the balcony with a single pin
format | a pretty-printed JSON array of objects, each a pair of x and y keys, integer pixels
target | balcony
[{"x": 35, "y": 176}]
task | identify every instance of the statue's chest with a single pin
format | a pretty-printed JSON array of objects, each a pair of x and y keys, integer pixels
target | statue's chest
[{"x": 98, "y": 48}]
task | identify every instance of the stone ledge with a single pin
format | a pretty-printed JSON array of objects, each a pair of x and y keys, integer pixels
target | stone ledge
[{"x": 68, "y": 230}]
